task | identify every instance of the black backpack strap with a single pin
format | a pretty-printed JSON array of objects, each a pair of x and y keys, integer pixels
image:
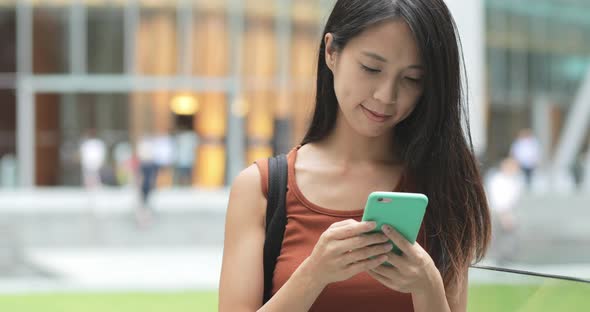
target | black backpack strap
[{"x": 276, "y": 218}]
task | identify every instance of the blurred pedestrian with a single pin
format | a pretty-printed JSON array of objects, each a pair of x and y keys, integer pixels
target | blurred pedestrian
[
  {"x": 186, "y": 141},
  {"x": 504, "y": 190},
  {"x": 164, "y": 157},
  {"x": 148, "y": 175},
  {"x": 92, "y": 159},
  {"x": 124, "y": 163},
  {"x": 577, "y": 169},
  {"x": 526, "y": 151},
  {"x": 586, "y": 171}
]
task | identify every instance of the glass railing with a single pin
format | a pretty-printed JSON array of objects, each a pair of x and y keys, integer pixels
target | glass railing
[{"x": 515, "y": 290}]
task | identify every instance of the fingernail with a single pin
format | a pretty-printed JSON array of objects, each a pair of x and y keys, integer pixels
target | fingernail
[
  {"x": 386, "y": 228},
  {"x": 372, "y": 224}
]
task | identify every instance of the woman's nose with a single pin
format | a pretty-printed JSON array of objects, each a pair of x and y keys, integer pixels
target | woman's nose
[{"x": 386, "y": 93}]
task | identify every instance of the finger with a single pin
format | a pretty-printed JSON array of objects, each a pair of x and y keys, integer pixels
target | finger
[
  {"x": 398, "y": 261},
  {"x": 343, "y": 223},
  {"x": 361, "y": 241},
  {"x": 350, "y": 230},
  {"x": 367, "y": 252},
  {"x": 401, "y": 242},
  {"x": 365, "y": 265},
  {"x": 392, "y": 273},
  {"x": 383, "y": 280},
  {"x": 380, "y": 277}
]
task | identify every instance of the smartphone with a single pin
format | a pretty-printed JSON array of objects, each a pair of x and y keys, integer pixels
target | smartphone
[{"x": 402, "y": 211}]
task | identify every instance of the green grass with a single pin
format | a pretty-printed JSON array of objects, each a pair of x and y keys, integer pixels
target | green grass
[
  {"x": 111, "y": 302},
  {"x": 550, "y": 296}
]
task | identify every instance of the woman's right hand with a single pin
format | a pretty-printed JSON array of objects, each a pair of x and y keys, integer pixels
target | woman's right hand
[{"x": 343, "y": 251}]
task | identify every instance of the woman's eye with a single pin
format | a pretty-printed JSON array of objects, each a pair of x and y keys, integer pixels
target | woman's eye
[
  {"x": 414, "y": 80},
  {"x": 370, "y": 70}
]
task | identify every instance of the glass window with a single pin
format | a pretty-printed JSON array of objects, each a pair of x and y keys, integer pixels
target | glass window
[
  {"x": 156, "y": 50},
  {"x": 498, "y": 74},
  {"x": 194, "y": 124},
  {"x": 8, "y": 172},
  {"x": 210, "y": 46},
  {"x": 105, "y": 39},
  {"x": 63, "y": 121},
  {"x": 50, "y": 40},
  {"x": 8, "y": 35},
  {"x": 259, "y": 73}
]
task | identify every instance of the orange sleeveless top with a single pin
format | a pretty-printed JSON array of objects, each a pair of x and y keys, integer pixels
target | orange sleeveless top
[{"x": 305, "y": 223}]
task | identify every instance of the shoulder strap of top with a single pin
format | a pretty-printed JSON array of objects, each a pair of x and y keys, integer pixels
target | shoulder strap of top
[{"x": 276, "y": 218}]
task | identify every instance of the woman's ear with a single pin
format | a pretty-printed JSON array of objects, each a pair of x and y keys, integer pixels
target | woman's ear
[{"x": 330, "y": 53}]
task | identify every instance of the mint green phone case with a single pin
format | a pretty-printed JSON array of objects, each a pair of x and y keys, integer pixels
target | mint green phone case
[{"x": 402, "y": 211}]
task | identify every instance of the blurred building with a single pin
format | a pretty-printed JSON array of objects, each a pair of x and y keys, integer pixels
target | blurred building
[
  {"x": 241, "y": 73},
  {"x": 232, "y": 69},
  {"x": 538, "y": 73}
]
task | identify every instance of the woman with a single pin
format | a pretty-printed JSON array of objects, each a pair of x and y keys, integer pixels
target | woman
[{"x": 388, "y": 117}]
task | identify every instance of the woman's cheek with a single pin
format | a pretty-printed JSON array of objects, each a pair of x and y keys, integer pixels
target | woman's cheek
[{"x": 361, "y": 91}]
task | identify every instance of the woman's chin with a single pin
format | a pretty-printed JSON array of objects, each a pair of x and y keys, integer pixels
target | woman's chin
[{"x": 371, "y": 132}]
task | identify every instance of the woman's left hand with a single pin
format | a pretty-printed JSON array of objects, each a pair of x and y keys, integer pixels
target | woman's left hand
[{"x": 413, "y": 270}]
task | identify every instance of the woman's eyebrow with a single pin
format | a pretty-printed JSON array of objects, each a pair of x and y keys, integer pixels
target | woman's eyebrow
[
  {"x": 416, "y": 66},
  {"x": 380, "y": 58},
  {"x": 375, "y": 56}
]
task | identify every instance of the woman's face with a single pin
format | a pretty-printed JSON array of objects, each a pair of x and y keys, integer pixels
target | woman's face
[{"x": 378, "y": 77}]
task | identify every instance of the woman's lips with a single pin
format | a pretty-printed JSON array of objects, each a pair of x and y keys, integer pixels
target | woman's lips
[{"x": 374, "y": 116}]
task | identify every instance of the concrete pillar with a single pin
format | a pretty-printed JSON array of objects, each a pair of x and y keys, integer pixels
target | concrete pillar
[{"x": 470, "y": 19}]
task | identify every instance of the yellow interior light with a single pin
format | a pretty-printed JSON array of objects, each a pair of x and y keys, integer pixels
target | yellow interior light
[{"x": 184, "y": 104}]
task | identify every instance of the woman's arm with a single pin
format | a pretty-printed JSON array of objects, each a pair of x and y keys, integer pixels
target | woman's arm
[
  {"x": 457, "y": 295},
  {"x": 298, "y": 294},
  {"x": 437, "y": 298},
  {"x": 414, "y": 272},
  {"x": 242, "y": 282}
]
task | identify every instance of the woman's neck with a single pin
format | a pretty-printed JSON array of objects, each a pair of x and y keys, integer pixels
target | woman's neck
[{"x": 347, "y": 146}]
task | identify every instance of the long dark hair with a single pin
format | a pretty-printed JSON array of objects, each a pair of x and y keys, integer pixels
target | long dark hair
[{"x": 436, "y": 150}]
